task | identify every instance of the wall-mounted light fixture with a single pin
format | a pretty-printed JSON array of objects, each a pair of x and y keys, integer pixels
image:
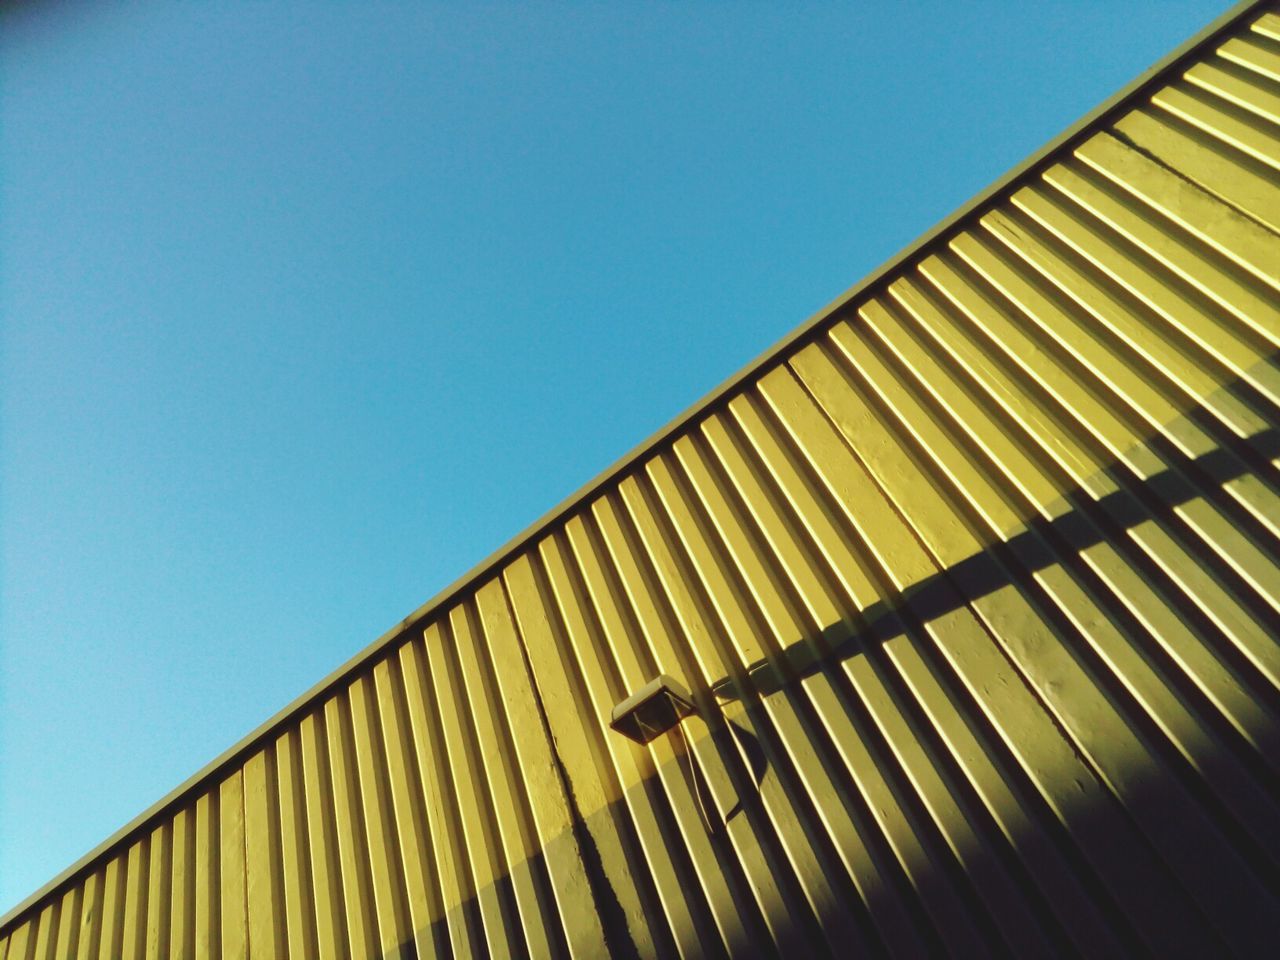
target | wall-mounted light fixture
[
  {"x": 652, "y": 710},
  {"x": 655, "y": 709}
]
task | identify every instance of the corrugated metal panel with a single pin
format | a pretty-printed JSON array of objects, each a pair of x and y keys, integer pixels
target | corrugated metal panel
[{"x": 976, "y": 588}]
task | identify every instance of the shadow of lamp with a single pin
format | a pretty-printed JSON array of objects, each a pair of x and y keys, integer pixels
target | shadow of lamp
[{"x": 659, "y": 707}]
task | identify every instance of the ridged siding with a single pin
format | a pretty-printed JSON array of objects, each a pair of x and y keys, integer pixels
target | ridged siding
[{"x": 977, "y": 591}]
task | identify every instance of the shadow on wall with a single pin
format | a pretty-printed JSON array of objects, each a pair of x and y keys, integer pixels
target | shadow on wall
[
  {"x": 1071, "y": 906},
  {"x": 1131, "y": 810}
]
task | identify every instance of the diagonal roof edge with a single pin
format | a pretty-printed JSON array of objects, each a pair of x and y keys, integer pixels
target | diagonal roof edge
[{"x": 1006, "y": 184}]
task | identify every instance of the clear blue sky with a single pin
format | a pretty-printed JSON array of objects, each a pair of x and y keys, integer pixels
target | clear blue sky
[{"x": 305, "y": 309}]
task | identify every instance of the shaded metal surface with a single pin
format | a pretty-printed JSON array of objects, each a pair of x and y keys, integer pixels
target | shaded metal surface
[{"x": 976, "y": 588}]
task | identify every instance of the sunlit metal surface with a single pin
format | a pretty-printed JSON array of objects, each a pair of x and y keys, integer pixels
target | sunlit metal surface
[{"x": 976, "y": 589}]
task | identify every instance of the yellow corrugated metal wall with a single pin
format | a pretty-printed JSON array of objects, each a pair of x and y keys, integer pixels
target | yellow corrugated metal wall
[{"x": 977, "y": 591}]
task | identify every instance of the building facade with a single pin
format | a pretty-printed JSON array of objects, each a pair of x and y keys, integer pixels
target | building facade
[{"x": 972, "y": 586}]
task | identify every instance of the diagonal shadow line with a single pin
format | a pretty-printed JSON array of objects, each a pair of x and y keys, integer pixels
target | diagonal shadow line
[{"x": 1044, "y": 544}]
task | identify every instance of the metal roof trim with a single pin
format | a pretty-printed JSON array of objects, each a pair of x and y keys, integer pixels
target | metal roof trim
[{"x": 490, "y": 565}]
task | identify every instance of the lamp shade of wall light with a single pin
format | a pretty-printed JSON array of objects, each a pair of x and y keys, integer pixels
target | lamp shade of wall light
[{"x": 652, "y": 710}]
